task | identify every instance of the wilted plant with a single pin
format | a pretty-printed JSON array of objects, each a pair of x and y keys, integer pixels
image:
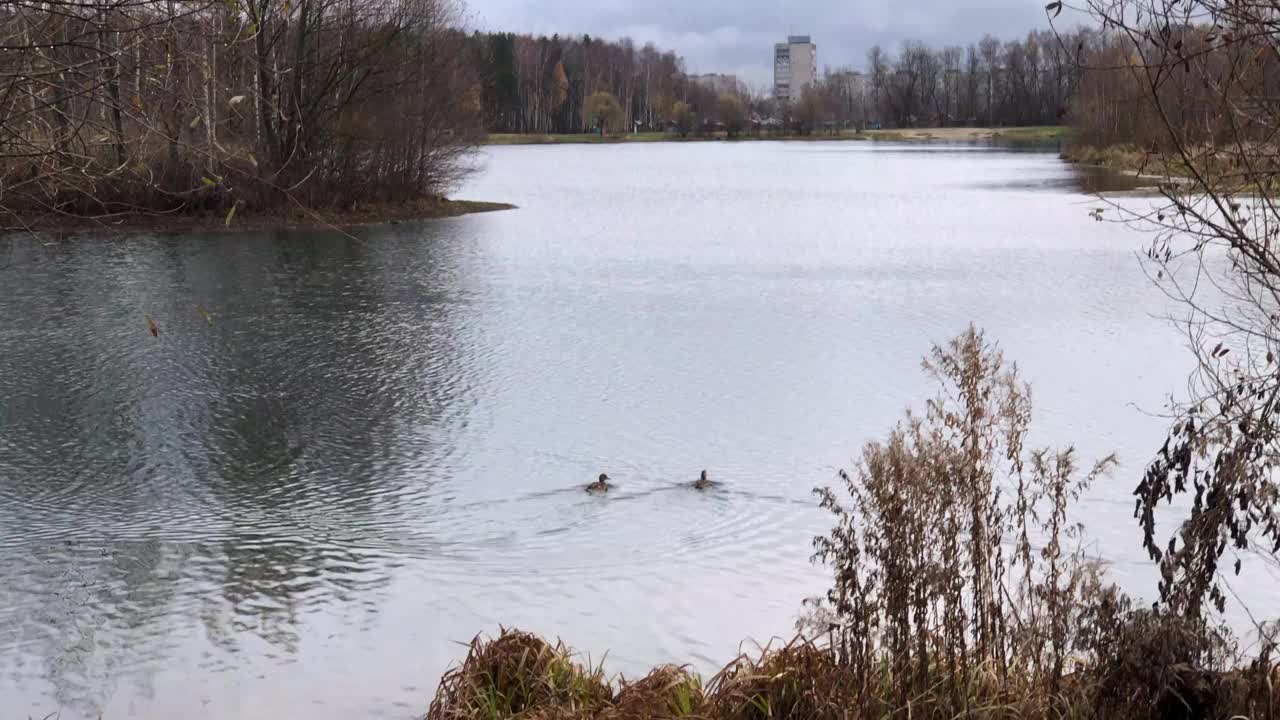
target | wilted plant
[
  {"x": 957, "y": 574},
  {"x": 1153, "y": 663}
]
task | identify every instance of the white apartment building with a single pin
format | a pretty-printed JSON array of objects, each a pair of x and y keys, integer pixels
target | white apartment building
[{"x": 795, "y": 65}]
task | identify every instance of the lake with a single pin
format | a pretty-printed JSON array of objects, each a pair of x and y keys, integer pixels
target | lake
[{"x": 342, "y": 454}]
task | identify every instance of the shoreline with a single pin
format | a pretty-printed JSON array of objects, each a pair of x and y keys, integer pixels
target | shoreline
[
  {"x": 1014, "y": 135},
  {"x": 1128, "y": 160},
  {"x": 293, "y": 218},
  {"x": 521, "y": 675}
]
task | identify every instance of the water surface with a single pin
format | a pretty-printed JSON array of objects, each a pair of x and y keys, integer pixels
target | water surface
[{"x": 375, "y": 445}]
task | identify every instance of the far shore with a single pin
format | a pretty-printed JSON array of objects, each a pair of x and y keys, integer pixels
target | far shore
[
  {"x": 1151, "y": 165},
  {"x": 295, "y": 218},
  {"x": 1033, "y": 134}
]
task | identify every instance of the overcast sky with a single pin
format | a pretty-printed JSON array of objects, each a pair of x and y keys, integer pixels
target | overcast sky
[{"x": 737, "y": 36}]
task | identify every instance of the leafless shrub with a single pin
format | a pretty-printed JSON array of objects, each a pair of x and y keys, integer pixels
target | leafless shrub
[
  {"x": 1200, "y": 79},
  {"x": 954, "y": 560}
]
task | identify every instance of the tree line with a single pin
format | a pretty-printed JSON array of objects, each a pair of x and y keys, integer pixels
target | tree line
[
  {"x": 1087, "y": 76},
  {"x": 1195, "y": 79},
  {"x": 542, "y": 85},
  {"x": 988, "y": 83},
  {"x": 110, "y": 107}
]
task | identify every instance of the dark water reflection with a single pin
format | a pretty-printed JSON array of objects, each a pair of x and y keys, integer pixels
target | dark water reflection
[
  {"x": 377, "y": 445},
  {"x": 237, "y": 473}
]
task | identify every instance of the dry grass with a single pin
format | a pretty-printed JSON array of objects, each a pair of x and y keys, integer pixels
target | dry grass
[
  {"x": 797, "y": 680},
  {"x": 1149, "y": 670},
  {"x": 668, "y": 691}
]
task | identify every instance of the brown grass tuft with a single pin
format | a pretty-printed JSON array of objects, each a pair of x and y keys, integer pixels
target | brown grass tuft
[
  {"x": 668, "y": 691},
  {"x": 519, "y": 674},
  {"x": 797, "y": 680}
]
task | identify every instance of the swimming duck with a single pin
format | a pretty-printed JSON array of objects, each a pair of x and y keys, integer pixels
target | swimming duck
[
  {"x": 703, "y": 482},
  {"x": 600, "y": 485}
]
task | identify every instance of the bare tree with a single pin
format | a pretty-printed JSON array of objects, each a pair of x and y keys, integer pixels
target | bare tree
[
  {"x": 143, "y": 106},
  {"x": 1195, "y": 82}
]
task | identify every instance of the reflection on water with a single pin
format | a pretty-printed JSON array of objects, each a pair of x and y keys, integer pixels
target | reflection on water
[
  {"x": 236, "y": 473},
  {"x": 1054, "y": 177},
  {"x": 377, "y": 446},
  {"x": 1090, "y": 179}
]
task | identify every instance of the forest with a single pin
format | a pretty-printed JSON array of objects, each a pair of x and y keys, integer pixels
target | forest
[{"x": 1089, "y": 78}]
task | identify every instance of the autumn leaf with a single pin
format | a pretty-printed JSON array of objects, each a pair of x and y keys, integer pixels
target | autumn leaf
[
  {"x": 151, "y": 325},
  {"x": 205, "y": 314},
  {"x": 1054, "y": 7}
]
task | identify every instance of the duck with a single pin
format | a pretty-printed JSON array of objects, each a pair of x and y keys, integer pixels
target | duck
[
  {"x": 600, "y": 485},
  {"x": 703, "y": 482}
]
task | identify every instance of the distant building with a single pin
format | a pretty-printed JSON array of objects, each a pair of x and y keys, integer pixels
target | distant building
[
  {"x": 795, "y": 65},
  {"x": 719, "y": 82}
]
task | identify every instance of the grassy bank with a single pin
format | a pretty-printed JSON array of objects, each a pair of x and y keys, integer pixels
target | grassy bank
[
  {"x": 1224, "y": 170},
  {"x": 519, "y": 675},
  {"x": 1122, "y": 158},
  {"x": 1010, "y": 135},
  {"x": 294, "y": 217}
]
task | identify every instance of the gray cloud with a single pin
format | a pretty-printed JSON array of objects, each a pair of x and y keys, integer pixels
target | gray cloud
[{"x": 738, "y": 37}]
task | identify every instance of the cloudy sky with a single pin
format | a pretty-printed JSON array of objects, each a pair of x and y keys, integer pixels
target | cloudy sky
[{"x": 737, "y": 36}]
